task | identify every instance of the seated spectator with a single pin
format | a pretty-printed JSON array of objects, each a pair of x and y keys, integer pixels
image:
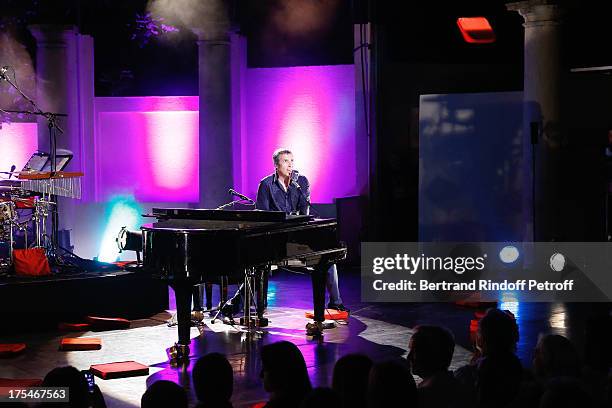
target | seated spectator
[
  {"x": 284, "y": 374},
  {"x": 498, "y": 380},
  {"x": 321, "y": 397},
  {"x": 565, "y": 393},
  {"x": 350, "y": 380},
  {"x": 213, "y": 381},
  {"x": 598, "y": 355},
  {"x": 497, "y": 335},
  {"x": 555, "y": 356},
  {"x": 77, "y": 388},
  {"x": 164, "y": 394},
  {"x": 391, "y": 385},
  {"x": 431, "y": 352}
]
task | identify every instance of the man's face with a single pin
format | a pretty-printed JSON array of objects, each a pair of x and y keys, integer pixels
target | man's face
[{"x": 285, "y": 165}]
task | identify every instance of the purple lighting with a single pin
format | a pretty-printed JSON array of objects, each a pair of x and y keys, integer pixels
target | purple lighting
[
  {"x": 311, "y": 111},
  {"x": 147, "y": 147},
  {"x": 18, "y": 141}
]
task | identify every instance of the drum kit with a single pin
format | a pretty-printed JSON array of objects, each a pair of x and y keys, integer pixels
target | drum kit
[{"x": 23, "y": 214}]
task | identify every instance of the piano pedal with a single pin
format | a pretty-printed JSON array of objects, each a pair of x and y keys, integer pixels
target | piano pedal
[{"x": 229, "y": 320}]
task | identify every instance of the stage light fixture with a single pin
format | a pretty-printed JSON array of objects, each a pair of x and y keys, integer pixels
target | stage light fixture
[
  {"x": 476, "y": 30},
  {"x": 129, "y": 241},
  {"x": 509, "y": 254}
]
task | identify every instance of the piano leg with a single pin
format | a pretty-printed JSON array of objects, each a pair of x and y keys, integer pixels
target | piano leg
[
  {"x": 318, "y": 291},
  {"x": 182, "y": 294},
  {"x": 262, "y": 275}
]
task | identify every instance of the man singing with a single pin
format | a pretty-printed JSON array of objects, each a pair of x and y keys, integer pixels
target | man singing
[{"x": 278, "y": 192}]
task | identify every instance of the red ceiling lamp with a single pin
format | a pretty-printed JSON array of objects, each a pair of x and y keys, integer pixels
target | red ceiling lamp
[{"x": 476, "y": 30}]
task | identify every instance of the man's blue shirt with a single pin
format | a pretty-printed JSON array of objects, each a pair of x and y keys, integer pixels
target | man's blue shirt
[{"x": 272, "y": 197}]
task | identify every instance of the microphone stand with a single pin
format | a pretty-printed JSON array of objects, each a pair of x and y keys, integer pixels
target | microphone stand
[
  {"x": 54, "y": 129},
  {"x": 299, "y": 188},
  {"x": 230, "y": 204}
]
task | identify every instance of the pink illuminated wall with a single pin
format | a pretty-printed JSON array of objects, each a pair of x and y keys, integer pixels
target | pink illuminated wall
[
  {"x": 147, "y": 147},
  {"x": 311, "y": 111},
  {"x": 17, "y": 143}
]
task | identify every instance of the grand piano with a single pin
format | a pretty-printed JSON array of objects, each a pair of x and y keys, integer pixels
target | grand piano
[{"x": 192, "y": 246}]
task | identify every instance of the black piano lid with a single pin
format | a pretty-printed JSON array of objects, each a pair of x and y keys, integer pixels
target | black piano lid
[{"x": 225, "y": 215}]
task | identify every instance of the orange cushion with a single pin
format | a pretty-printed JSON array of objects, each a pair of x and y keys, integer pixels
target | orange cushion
[
  {"x": 108, "y": 323},
  {"x": 7, "y": 350},
  {"x": 80, "y": 343},
  {"x": 119, "y": 370},
  {"x": 330, "y": 314}
]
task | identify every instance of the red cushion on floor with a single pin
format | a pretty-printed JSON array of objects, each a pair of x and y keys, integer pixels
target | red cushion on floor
[
  {"x": 330, "y": 314},
  {"x": 7, "y": 350},
  {"x": 80, "y": 343},
  {"x": 119, "y": 370},
  {"x": 259, "y": 404},
  {"x": 20, "y": 382},
  {"x": 108, "y": 323},
  {"x": 74, "y": 326}
]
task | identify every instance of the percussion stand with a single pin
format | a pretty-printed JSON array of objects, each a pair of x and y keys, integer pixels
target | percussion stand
[{"x": 54, "y": 129}]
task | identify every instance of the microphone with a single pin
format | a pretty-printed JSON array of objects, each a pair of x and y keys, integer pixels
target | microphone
[
  {"x": 237, "y": 194},
  {"x": 13, "y": 167},
  {"x": 3, "y": 71},
  {"x": 295, "y": 175}
]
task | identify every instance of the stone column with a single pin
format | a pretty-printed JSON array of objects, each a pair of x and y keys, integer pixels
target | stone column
[
  {"x": 57, "y": 91},
  {"x": 542, "y": 119},
  {"x": 215, "y": 112},
  {"x": 55, "y": 79}
]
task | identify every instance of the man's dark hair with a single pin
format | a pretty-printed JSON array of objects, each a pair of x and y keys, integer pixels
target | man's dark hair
[
  {"x": 163, "y": 394},
  {"x": 389, "y": 379},
  {"x": 278, "y": 152},
  {"x": 72, "y": 378},
  {"x": 498, "y": 332},
  {"x": 286, "y": 370},
  {"x": 433, "y": 349},
  {"x": 556, "y": 356},
  {"x": 350, "y": 379},
  {"x": 213, "y": 378}
]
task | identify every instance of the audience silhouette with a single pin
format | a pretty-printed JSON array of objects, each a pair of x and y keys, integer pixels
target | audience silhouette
[
  {"x": 350, "y": 380},
  {"x": 163, "y": 394},
  {"x": 78, "y": 389},
  {"x": 284, "y": 374},
  {"x": 213, "y": 381},
  {"x": 431, "y": 352},
  {"x": 391, "y": 385},
  {"x": 494, "y": 378}
]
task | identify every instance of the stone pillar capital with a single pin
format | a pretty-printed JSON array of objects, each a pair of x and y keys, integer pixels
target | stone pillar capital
[
  {"x": 538, "y": 12},
  {"x": 51, "y": 35}
]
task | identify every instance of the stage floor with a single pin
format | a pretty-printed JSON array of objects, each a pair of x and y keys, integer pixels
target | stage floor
[{"x": 381, "y": 331}]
